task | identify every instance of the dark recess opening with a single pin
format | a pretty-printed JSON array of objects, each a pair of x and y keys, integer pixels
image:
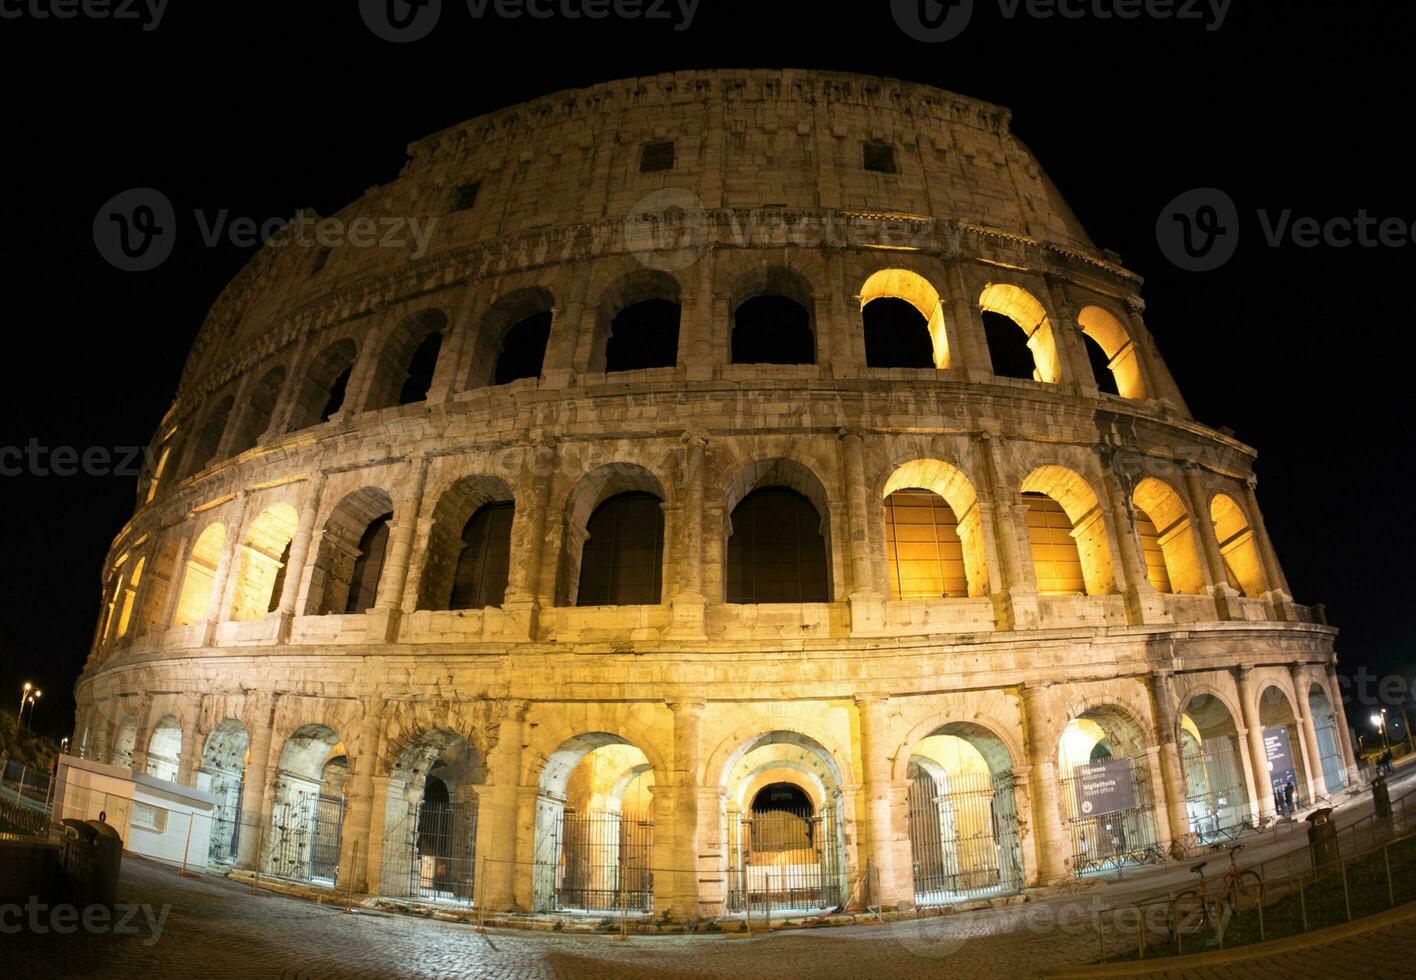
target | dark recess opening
[
  {"x": 523, "y": 349},
  {"x": 1101, "y": 367},
  {"x": 896, "y": 335},
  {"x": 420, "y": 370},
  {"x": 643, "y": 335},
  {"x": 772, "y": 330},
  {"x": 1008, "y": 347}
]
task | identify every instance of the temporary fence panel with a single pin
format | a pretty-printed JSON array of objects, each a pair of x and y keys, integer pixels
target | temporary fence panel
[
  {"x": 965, "y": 840},
  {"x": 1111, "y": 816},
  {"x": 787, "y": 860}
]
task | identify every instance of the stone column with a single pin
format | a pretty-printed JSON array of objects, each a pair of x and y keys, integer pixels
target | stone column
[
  {"x": 1258, "y": 758},
  {"x": 1226, "y": 599},
  {"x": 881, "y": 846},
  {"x": 224, "y": 582},
  {"x": 1142, "y": 603},
  {"x": 1307, "y": 728},
  {"x": 500, "y": 816},
  {"x": 255, "y": 807},
  {"x": 1070, "y": 342},
  {"x": 1016, "y": 603},
  {"x": 299, "y": 555},
  {"x": 684, "y": 871},
  {"x": 1278, "y": 590},
  {"x": 189, "y": 760},
  {"x": 143, "y": 734},
  {"x": 1246, "y": 763},
  {"x": 689, "y": 602},
  {"x": 867, "y": 612},
  {"x": 1050, "y": 844},
  {"x": 383, "y": 619},
  {"x": 359, "y": 802},
  {"x": 523, "y": 587},
  {"x": 1344, "y": 734},
  {"x": 971, "y": 354},
  {"x": 1172, "y": 769}
]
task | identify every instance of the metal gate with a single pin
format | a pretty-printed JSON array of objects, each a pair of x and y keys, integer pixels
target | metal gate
[
  {"x": 964, "y": 841},
  {"x": 1329, "y": 752},
  {"x": 788, "y": 860},
  {"x": 305, "y": 844},
  {"x": 226, "y": 824},
  {"x": 1108, "y": 841},
  {"x": 1216, "y": 800},
  {"x": 603, "y": 861},
  {"x": 444, "y": 860}
]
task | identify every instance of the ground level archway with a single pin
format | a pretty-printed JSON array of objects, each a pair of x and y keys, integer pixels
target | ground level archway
[
  {"x": 1108, "y": 791},
  {"x": 307, "y": 815},
  {"x": 1216, "y": 795},
  {"x": 223, "y": 773}
]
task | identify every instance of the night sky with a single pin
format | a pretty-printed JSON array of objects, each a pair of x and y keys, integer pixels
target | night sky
[{"x": 265, "y": 108}]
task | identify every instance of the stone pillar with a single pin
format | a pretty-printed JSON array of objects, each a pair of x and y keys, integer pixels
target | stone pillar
[
  {"x": 355, "y": 841},
  {"x": 881, "y": 844},
  {"x": 1172, "y": 769},
  {"x": 1307, "y": 728},
  {"x": 1050, "y": 844},
  {"x": 1071, "y": 344},
  {"x": 1258, "y": 758},
  {"x": 382, "y": 621},
  {"x": 683, "y": 868},
  {"x": 689, "y": 602},
  {"x": 189, "y": 760},
  {"x": 299, "y": 555},
  {"x": 523, "y": 586},
  {"x": 1226, "y": 598},
  {"x": 1339, "y": 717},
  {"x": 1278, "y": 591},
  {"x": 255, "y": 807},
  {"x": 224, "y": 582},
  {"x": 971, "y": 352},
  {"x": 143, "y": 734},
  {"x": 1246, "y": 763},
  {"x": 1015, "y": 604},
  {"x": 867, "y": 611},
  {"x": 500, "y": 816},
  {"x": 1142, "y": 603},
  {"x": 1162, "y": 797}
]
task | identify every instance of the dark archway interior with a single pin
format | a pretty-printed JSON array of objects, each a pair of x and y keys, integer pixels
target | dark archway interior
[
  {"x": 1008, "y": 347},
  {"x": 643, "y": 335},
  {"x": 483, "y": 562},
  {"x": 782, "y": 796},
  {"x": 772, "y": 330},
  {"x": 1101, "y": 367},
  {"x": 523, "y": 349},
  {"x": 623, "y": 556},
  {"x": 337, "y": 389},
  {"x": 420, "y": 370},
  {"x": 368, "y": 567},
  {"x": 896, "y": 335},
  {"x": 776, "y": 552}
]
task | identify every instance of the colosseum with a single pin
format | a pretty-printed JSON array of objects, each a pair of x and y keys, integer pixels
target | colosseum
[{"x": 760, "y": 493}]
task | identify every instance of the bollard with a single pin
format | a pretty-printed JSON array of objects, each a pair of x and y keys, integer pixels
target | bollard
[
  {"x": 482, "y": 897},
  {"x": 1346, "y": 895}
]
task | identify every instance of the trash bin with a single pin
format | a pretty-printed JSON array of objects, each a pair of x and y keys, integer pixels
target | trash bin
[
  {"x": 90, "y": 859},
  {"x": 1381, "y": 799},
  {"x": 107, "y": 862},
  {"x": 1322, "y": 839}
]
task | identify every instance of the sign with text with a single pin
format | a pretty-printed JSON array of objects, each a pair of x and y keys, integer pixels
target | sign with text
[
  {"x": 1104, "y": 787},
  {"x": 1279, "y": 753}
]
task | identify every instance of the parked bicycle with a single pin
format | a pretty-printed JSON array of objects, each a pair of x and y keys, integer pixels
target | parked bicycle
[{"x": 1210, "y": 906}]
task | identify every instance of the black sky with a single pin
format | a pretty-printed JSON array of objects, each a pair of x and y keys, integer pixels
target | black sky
[{"x": 263, "y": 108}]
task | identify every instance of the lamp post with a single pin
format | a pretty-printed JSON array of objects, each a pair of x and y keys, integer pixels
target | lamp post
[
  {"x": 31, "y": 701},
  {"x": 24, "y": 693},
  {"x": 1379, "y": 722}
]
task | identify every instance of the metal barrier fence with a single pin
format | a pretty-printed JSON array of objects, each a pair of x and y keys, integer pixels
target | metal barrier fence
[
  {"x": 1109, "y": 841},
  {"x": 305, "y": 837},
  {"x": 785, "y": 860},
  {"x": 964, "y": 841}
]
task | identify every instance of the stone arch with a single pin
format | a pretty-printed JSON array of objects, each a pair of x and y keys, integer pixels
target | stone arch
[
  {"x": 1028, "y": 313},
  {"x": 124, "y": 742},
  {"x": 585, "y": 497},
  {"x": 1216, "y": 793},
  {"x": 339, "y": 583},
  {"x": 1069, "y": 490},
  {"x": 307, "y": 810},
  {"x": 1281, "y": 732},
  {"x": 225, "y": 755},
  {"x": 1123, "y": 359},
  {"x": 262, "y": 563},
  {"x": 1329, "y": 741},
  {"x": 199, "y": 576},
  {"x": 952, "y": 487},
  {"x": 455, "y": 508},
  {"x": 913, "y": 289},
  {"x": 404, "y": 369},
  {"x": 774, "y": 318},
  {"x": 1238, "y": 546},
  {"x": 792, "y": 475},
  {"x": 206, "y": 440},
  {"x": 322, "y": 390},
  {"x": 255, "y": 416},
  {"x": 495, "y": 347},
  {"x": 635, "y": 343},
  {"x": 162, "y": 578},
  {"x": 1166, "y": 532},
  {"x": 443, "y": 833},
  {"x": 129, "y": 596},
  {"x": 164, "y": 748}
]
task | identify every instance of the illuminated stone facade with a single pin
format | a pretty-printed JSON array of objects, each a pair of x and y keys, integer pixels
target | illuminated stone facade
[{"x": 1102, "y": 583}]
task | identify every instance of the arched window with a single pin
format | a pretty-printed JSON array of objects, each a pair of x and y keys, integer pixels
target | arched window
[
  {"x": 903, "y": 321},
  {"x": 1156, "y": 572},
  {"x": 922, "y": 544},
  {"x": 129, "y": 596},
  {"x": 1237, "y": 545},
  {"x": 256, "y": 413},
  {"x": 776, "y": 552},
  {"x": 621, "y": 564},
  {"x": 1100, "y": 366},
  {"x": 643, "y": 335},
  {"x": 407, "y": 362},
  {"x": 260, "y": 567},
  {"x": 1067, "y": 533},
  {"x": 1167, "y": 538},
  {"x": 322, "y": 388},
  {"x": 772, "y": 330},
  {"x": 208, "y": 437},
  {"x": 480, "y": 576},
  {"x": 1056, "y": 563},
  {"x": 368, "y": 566},
  {"x": 1114, "y": 359},
  {"x": 420, "y": 370},
  {"x": 523, "y": 349},
  {"x": 1034, "y": 354},
  {"x": 199, "y": 578}
]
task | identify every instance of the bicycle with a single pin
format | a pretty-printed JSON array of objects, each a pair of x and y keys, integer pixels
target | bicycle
[{"x": 1211, "y": 907}]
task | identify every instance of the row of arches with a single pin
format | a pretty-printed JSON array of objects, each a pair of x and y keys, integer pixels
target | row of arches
[
  {"x": 776, "y": 546},
  {"x": 773, "y": 313},
  {"x": 784, "y": 809}
]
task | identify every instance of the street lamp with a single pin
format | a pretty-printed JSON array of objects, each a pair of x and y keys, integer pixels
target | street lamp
[
  {"x": 1379, "y": 720},
  {"x": 31, "y": 702},
  {"x": 24, "y": 693}
]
